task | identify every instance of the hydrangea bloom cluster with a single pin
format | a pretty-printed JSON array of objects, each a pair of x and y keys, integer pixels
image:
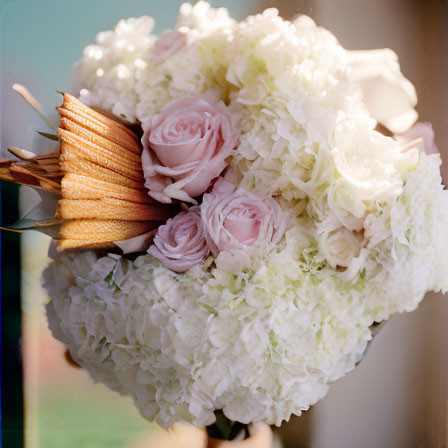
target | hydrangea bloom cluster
[{"x": 263, "y": 290}]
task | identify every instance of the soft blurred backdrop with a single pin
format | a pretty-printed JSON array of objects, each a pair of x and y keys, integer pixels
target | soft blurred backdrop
[{"x": 396, "y": 398}]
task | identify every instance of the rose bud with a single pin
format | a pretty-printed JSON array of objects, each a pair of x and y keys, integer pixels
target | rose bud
[
  {"x": 172, "y": 41},
  {"x": 235, "y": 219},
  {"x": 180, "y": 244}
]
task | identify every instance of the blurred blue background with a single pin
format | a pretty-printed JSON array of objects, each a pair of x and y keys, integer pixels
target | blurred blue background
[{"x": 41, "y": 40}]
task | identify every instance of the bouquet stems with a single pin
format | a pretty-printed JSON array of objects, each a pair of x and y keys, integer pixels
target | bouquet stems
[
  {"x": 225, "y": 433},
  {"x": 225, "y": 429}
]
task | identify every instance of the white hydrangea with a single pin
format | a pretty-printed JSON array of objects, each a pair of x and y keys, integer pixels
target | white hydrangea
[
  {"x": 366, "y": 236},
  {"x": 179, "y": 76},
  {"x": 203, "y": 18},
  {"x": 260, "y": 345},
  {"x": 107, "y": 73},
  {"x": 191, "y": 70},
  {"x": 120, "y": 73}
]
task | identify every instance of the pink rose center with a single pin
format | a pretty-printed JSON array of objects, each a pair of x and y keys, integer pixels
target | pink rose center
[
  {"x": 184, "y": 130},
  {"x": 243, "y": 225},
  {"x": 183, "y": 138},
  {"x": 183, "y": 233}
]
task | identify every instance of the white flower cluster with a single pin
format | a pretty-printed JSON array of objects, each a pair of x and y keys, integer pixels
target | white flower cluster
[
  {"x": 107, "y": 74},
  {"x": 260, "y": 345},
  {"x": 366, "y": 234},
  {"x": 123, "y": 74}
]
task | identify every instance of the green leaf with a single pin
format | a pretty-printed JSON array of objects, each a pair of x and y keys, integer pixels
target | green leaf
[
  {"x": 25, "y": 224},
  {"x": 52, "y": 123},
  {"x": 53, "y": 137},
  {"x": 37, "y": 216}
]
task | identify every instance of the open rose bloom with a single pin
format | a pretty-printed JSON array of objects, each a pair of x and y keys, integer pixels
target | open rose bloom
[
  {"x": 240, "y": 237},
  {"x": 237, "y": 220},
  {"x": 186, "y": 146}
]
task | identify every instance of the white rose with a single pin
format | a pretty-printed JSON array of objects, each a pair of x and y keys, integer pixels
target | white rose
[
  {"x": 341, "y": 247},
  {"x": 388, "y": 95}
]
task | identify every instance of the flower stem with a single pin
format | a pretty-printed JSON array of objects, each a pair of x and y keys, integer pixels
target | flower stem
[{"x": 225, "y": 429}]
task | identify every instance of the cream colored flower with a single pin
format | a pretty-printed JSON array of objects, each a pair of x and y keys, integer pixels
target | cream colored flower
[
  {"x": 341, "y": 246},
  {"x": 389, "y": 96}
]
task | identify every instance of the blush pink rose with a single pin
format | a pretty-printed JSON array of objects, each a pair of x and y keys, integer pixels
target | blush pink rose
[
  {"x": 172, "y": 41},
  {"x": 180, "y": 244},
  {"x": 186, "y": 146},
  {"x": 235, "y": 219},
  {"x": 424, "y": 131}
]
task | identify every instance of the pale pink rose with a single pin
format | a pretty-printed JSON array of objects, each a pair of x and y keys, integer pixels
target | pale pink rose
[
  {"x": 424, "y": 131},
  {"x": 235, "y": 219},
  {"x": 180, "y": 244},
  {"x": 186, "y": 146},
  {"x": 172, "y": 41}
]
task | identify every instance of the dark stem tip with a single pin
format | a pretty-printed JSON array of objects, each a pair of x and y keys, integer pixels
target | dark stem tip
[{"x": 225, "y": 429}]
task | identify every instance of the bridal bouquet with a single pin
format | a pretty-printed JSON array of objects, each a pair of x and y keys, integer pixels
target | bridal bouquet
[{"x": 237, "y": 206}]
